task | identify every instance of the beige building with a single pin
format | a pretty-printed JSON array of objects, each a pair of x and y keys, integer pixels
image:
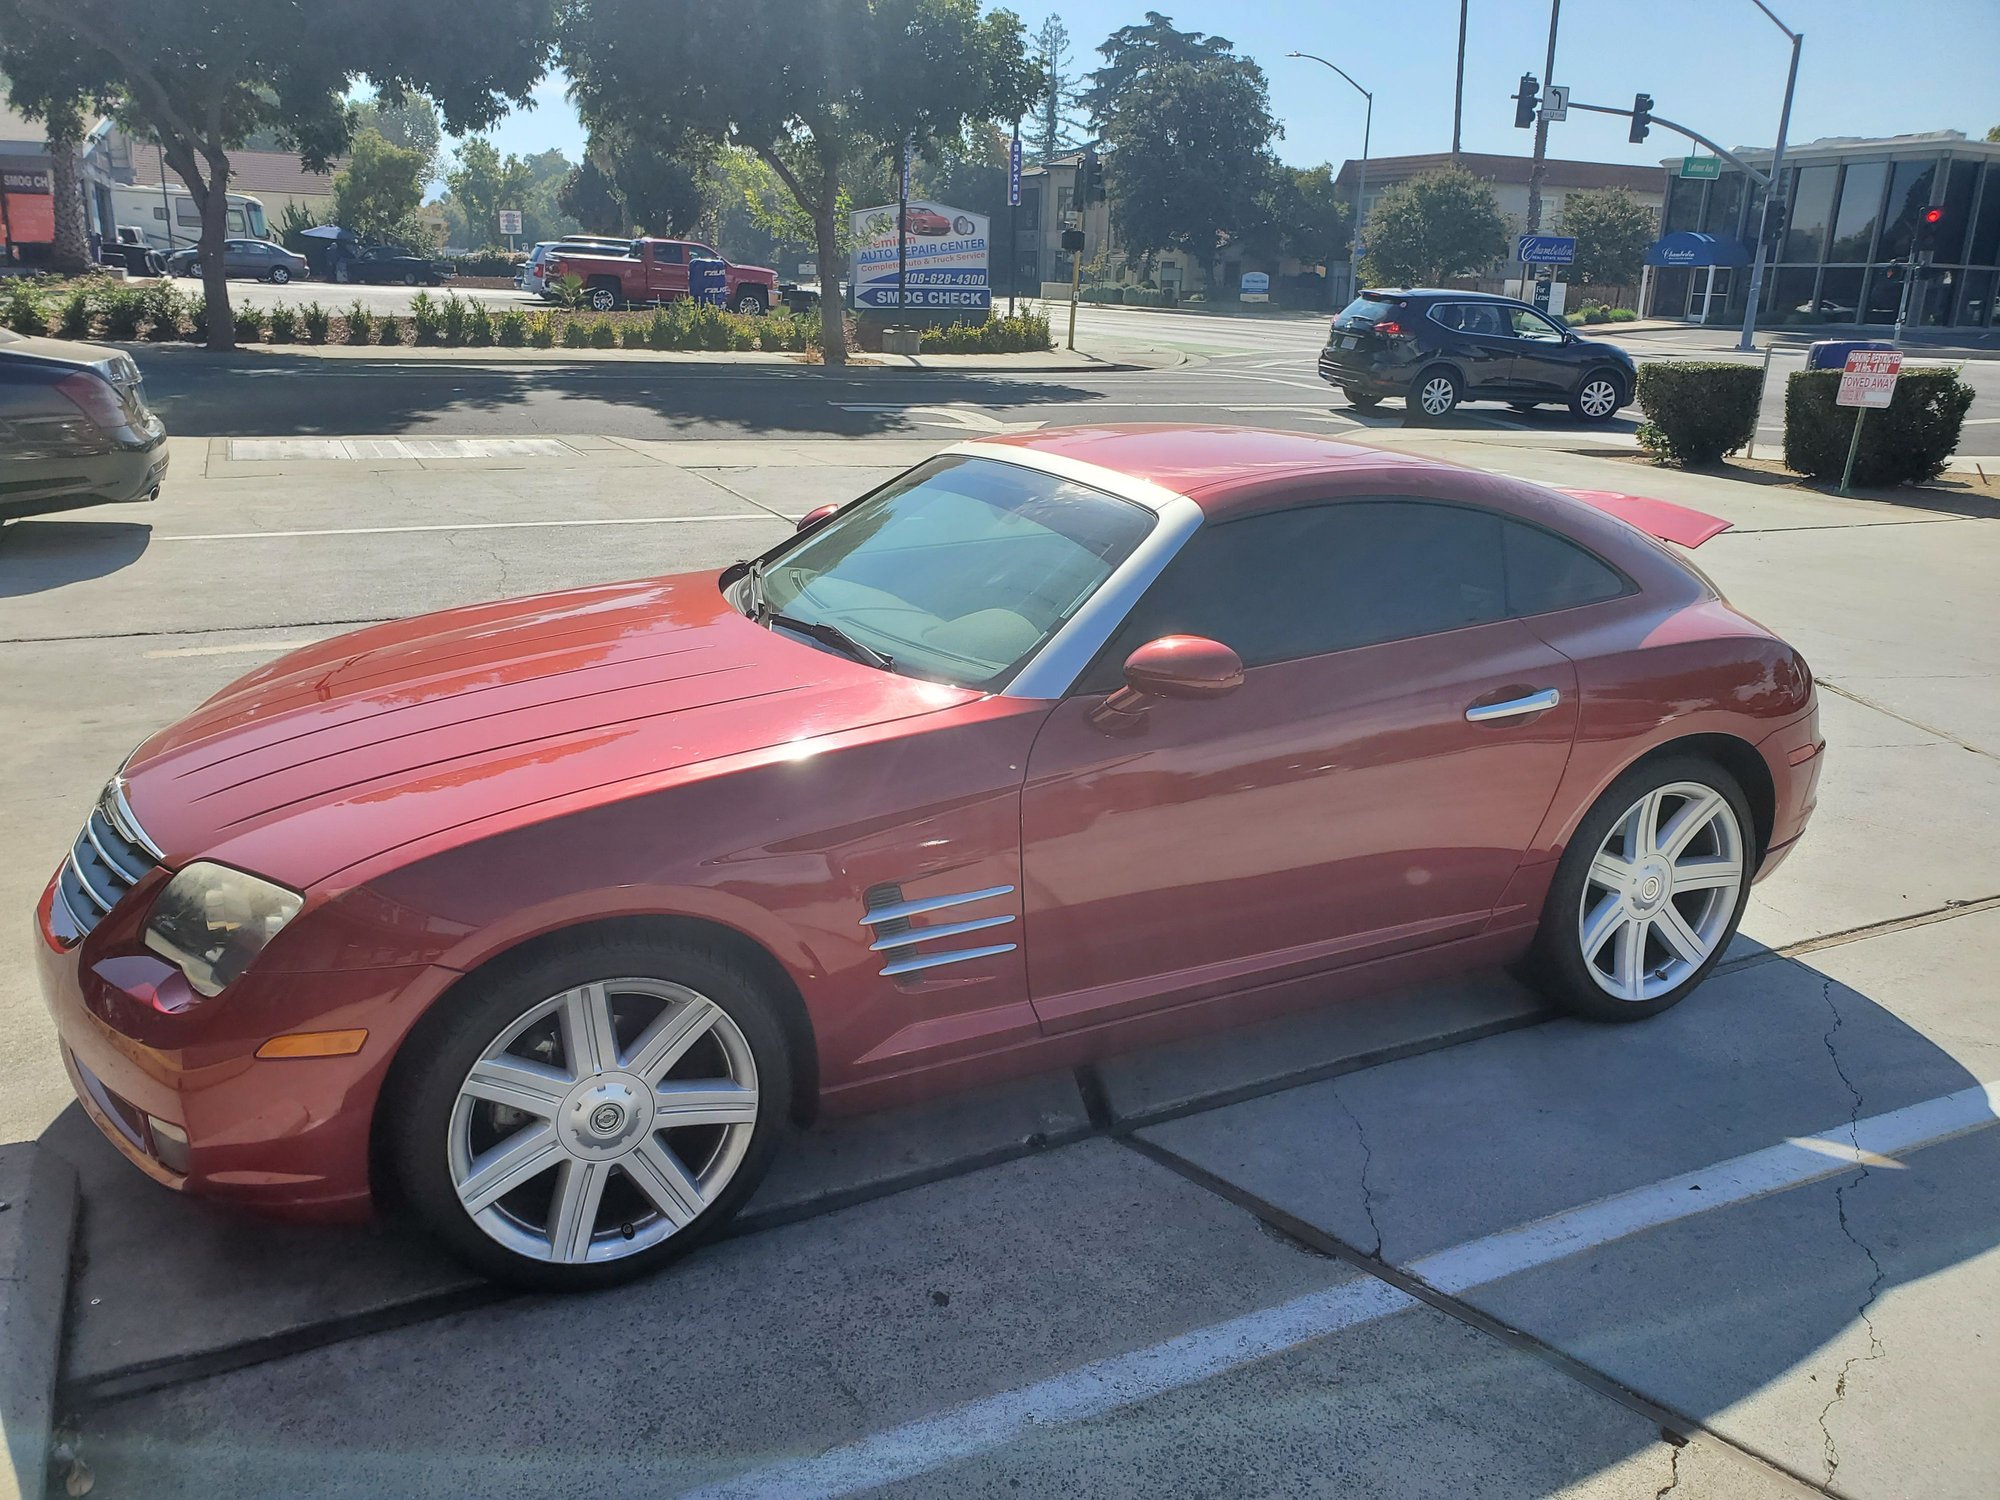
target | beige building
[{"x": 1048, "y": 206}]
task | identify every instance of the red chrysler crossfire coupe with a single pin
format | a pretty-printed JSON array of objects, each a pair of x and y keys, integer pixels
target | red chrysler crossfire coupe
[{"x": 539, "y": 918}]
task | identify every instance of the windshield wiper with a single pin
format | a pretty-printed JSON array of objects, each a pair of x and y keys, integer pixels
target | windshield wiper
[
  {"x": 753, "y": 590},
  {"x": 834, "y": 636}
]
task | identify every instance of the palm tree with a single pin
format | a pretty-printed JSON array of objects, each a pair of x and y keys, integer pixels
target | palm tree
[{"x": 71, "y": 251}]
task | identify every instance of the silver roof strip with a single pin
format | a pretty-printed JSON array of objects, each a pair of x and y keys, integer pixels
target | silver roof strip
[
  {"x": 928, "y": 934},
  {"x": 930, "y": 903},
  {"x": 956, "y": 956}
]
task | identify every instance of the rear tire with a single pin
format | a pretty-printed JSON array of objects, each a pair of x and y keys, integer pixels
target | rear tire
[
  {"x": 1434, "y": 395},
  {"x": 603, "y": 297},
  {"x": 1649, "y": 891},
  {"x": 574, "y": 1035},
  {"x": 280, "y": 275}
]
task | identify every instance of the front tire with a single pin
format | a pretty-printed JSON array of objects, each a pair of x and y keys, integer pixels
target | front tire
[
  {"x": 1598, "y": 398},
  {"x": 1649, "y": 891},
  {"x": 751, "y": 305},
  {"x": 587, "y": 1115},
  {"x": 1434, "y": 395}
]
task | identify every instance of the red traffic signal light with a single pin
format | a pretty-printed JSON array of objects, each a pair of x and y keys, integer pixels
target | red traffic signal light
[
  {"x": 1933, "y": 215},
  {"x": 1925, "y": 239}
]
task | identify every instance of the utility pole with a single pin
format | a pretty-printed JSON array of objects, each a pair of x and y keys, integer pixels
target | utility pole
[
  {"x": 1540, "y": 168},
  {"x": 1777, "y": 184},
  {"x": 1458, "y": 98}
]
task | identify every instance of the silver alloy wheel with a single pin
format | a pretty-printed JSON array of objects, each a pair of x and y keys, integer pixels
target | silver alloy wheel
[
  {"x": 279, "y": 275},
  {"x": 750, "y": 307},
  {"x": 1661, "y": 891},
  {"x": 1437, "y": 396},
  {"x": 568, "y": 1144},
  {"x": 1598, "y": 398},
  {"x": 603, "y": 299}
]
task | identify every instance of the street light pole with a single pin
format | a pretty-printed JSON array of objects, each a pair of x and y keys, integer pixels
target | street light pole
[
  {"x": 1756, "y": 288},
  {"x": 1361, "y": 187},
  {"x": 1540, "y": 168},
  {"x": 1458, "y": 97}
]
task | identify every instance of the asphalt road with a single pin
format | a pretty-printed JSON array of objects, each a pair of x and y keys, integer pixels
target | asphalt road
[
  {"x": 1238, "y": 370},
  {"x": 1764, "y": 1221}
]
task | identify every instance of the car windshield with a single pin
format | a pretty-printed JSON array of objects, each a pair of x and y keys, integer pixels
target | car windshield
[{"x": 959, "y": 571}]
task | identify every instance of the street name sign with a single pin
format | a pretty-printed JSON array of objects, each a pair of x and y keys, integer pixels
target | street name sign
[{"x": 1701, "y": 166}]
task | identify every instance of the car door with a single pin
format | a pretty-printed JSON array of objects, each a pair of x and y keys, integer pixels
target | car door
[
  {"x": 1479, "y": 341},
  {"x": 668, "y": 275},
  {"x": 1544, "y": 354},
  {"x": 1339, "y": 806},
  {"x": 237, "y": 261}
]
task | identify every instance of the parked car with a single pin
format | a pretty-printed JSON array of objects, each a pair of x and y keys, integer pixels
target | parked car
[
  {"x": 1437, "y": 349},
  {"x": 75, "y": 429},
  {"x": 656, "y": 271},
  {"x": 534, "y": 277},
  {"x": 386, "y": 264},
  {"x": 542, "y": 916},
  {"x": 258, "y": 259}
]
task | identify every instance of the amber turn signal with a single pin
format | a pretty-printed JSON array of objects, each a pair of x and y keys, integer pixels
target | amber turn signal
[{"x": 314, "y": 1044}]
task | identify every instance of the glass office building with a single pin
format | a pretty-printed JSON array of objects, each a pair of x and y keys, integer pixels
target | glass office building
[{"x": 1843, "y": 256}]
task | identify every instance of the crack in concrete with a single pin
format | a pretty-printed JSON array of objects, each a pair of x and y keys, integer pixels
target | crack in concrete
[
  {"x": 1830, "y": 1449},
  {"x": 1367, "y": 1161},
  {"x": 1674, "y": 1467}
]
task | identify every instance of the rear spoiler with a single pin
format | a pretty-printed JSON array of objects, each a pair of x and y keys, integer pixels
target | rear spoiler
[{"x": 1657, "y": 518}]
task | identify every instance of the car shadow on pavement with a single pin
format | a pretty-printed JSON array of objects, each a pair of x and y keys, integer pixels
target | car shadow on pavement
[
  {"x": 1701, "y": 1316},
  {"x": 39, "y": 554}
]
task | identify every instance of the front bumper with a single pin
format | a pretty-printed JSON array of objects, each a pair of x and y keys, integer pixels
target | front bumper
[{"x": 185, "y": 1098}]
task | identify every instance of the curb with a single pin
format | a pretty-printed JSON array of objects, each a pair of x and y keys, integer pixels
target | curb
[
  {"x": 38, "y": 1209},
  {"x": 411, "y": 357}
]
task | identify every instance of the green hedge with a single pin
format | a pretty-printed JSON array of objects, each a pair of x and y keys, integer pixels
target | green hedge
[
  {"x": 1906, "y": 442},
  {"x": 1697, "y": 410},
  {"x": 995, "y": 336}
]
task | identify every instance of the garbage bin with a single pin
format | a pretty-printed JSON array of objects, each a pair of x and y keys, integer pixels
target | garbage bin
[
  {"x": 1831, "y": 354},
  {"x": 708, "y": 281}
]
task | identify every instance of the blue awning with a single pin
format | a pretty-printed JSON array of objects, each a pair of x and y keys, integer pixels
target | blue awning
[{"x": 1689, "y": 249}]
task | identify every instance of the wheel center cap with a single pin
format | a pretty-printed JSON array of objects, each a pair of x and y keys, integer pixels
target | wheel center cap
[
  {"x": 1650, "y": 889},
  {"x": 605, "y": 1116}
]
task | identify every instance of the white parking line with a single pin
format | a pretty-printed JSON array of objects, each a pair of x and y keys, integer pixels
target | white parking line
[
  {"x": 259, "y": 536},
  {"x": 977, "y": 1427}
]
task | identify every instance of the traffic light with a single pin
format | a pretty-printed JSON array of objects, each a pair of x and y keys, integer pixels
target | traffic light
[
  {"x": 1925, "y": 242},
  {"x": 1642, "y": 118},
  {"x": 1526, "y": 102},
  {"x": 1774, "y": 222},
  {"x": 1093, "y": 178}
]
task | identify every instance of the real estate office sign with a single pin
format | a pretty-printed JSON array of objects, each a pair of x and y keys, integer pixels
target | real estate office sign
[{"x": 945, "y": 257}]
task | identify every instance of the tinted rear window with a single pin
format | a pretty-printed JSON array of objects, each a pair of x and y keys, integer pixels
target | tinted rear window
[
  {"x": 1367, "y": 310},
  {"x": 1545, "y": 572}
]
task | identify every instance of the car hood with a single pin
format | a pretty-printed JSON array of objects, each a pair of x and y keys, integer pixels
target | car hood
[
  {"x": 360, "y": 744},
  {"x": 1609, "y": 350}
]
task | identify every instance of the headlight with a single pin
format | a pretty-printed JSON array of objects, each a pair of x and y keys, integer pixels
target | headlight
[{"x": 212, "y": 921}]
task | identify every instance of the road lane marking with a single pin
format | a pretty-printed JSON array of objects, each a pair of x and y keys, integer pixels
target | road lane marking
[
  {"x": 349, "y": 450},
  {"x": 935, "y": 416},
  {"x": 231, "y": 650},
  {"x": 977, "y": 1427},
  {"x": 259, "y": 536}
]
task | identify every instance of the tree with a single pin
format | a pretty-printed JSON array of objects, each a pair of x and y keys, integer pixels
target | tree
[
  {"x": 202, "y": 75},
  {"x": 378, "y": 192},
  {"x": 826, "y": 79},
  {"x": 1305, "y": 215},
  {"x": 71, "y": 249},
  {"x": 1050, "y": 134},
  {"x": 1189, "y": 126},
  {"x": 412, "y": 124},
  {"x": 661, "y": 175},
  {"x": 1612, "y": 230},
  {"x": 1993, "y": 134},
  {"x": 591, "y": 198},
  {"x": 1433, "y": 227},
  {"x": 482, "y": 183}
]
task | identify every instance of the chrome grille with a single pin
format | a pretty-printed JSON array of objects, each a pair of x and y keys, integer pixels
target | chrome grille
[{"x": 109, "y": 857}]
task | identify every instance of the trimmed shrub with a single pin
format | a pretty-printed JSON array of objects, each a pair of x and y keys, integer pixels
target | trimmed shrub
[
  {"x": 426, "y": 317},
  {"x": 634, "y": 335},
  {"x": 75, "y": 315},
  {"x": 284, "y": 324},
  {"x": 390, "y": 330},
  {"x": 360, "y": 323},
  {"x": 22, "y": 309},
  {"x": 479, "y": 325},
  {"x": 542, "y": 331},
  {"x": 490, "y": 262},
  {"x": 314, "y": 321},
  {"x": 124, "y": 311},
  {"x": 164, "y": 306},
  {"x": 576, "y": 334},
  {"x": 1697, "y": 410},
  {"x": 1624, "y": 315},
  {"x": 1598, "y": 315},
  {"x": 198, "y": 320},
  {"x": 994, "y": 336},
  {"x": 1906, "y": 442},
  {"x": 249, "y": 323},
  {"x": 511, "y": 328},
  {"x": 604, "y": 334},
  {"x": 453, "y": 323}
]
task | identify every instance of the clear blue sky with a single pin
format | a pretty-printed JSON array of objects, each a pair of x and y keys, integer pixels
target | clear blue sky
[{"x": 1870, "y": 67}]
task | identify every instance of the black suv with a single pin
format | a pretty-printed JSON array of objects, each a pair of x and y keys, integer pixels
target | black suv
[{"x": 1437, "y": 348}]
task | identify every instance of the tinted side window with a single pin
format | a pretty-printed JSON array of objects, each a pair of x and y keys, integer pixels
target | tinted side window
[
  {"x": 1303, "y": 582},
  {"x": 1544, "y": 572},
  {"x": 666, "y": 255}
]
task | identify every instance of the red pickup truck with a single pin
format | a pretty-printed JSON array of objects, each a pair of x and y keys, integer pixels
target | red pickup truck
[{"x": 657, "y": 271}]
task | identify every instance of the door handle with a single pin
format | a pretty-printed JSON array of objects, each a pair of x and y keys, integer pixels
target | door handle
[{"x": 1513, "y": 708}]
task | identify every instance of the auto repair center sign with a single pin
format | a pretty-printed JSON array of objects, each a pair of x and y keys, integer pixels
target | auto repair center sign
[{"x": 945, "y": 257}]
